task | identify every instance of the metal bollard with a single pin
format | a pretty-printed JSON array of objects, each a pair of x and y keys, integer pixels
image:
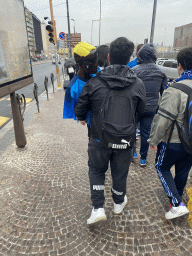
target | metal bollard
[
  {"x": 21, "y": 100},
  {"x": 46, "y": 84},
  {"x": 35, "y": 92},
  {"x": 18, "y": 121},
  {"x": 52, "y": 80}
]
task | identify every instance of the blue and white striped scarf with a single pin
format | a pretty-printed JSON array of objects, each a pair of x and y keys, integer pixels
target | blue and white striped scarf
[{"x": 185, "y": 75}]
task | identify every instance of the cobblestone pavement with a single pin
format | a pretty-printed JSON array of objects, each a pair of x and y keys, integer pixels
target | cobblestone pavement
[{"x": 45, "y": 199}]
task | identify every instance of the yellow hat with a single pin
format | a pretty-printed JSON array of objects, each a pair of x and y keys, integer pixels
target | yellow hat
[{"x": 83, "y": 49}]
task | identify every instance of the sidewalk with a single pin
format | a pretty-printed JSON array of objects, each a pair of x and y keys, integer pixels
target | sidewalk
[{"x": 45, "y": 199}]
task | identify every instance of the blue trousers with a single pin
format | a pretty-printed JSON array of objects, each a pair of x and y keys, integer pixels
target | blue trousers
[
  {"x": 145, "y": 120},
  {"x": 165, "y": 159}
]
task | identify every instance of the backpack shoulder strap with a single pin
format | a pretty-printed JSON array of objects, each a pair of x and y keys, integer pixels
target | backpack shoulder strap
[{"x": 182, "y": 87}]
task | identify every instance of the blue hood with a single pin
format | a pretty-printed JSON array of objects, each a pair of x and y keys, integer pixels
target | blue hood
[{"x": 147, "y": 54}]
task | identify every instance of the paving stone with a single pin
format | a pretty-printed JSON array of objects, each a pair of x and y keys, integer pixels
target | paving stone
[{"x": 45, "y": 199}]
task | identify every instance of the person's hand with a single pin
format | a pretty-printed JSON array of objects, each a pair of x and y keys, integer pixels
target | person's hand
[
  {"x": 83, "y": 122},
  {"x": 153, "y": 147}
]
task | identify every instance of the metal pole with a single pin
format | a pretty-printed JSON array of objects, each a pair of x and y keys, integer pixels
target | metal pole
[
  {"x": 100, "y": 24},
  {"x": 18, "y": 122},
  {"x": 153, "y": 21},
  {"x": 55, "y": 48},
  {"x": 164, "y": 43},
  {"x": 91, "y": 31},
  {"x": 69, "y": 33},
  {"x": 74, "y": 25}
]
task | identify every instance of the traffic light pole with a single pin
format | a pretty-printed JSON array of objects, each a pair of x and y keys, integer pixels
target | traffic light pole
[
  {"x": 69, "y": 33},
  {"x": 55, "y": 40}
]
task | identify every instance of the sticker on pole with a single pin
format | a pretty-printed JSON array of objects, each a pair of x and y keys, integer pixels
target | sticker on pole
[{"x": 62, "y": 35}]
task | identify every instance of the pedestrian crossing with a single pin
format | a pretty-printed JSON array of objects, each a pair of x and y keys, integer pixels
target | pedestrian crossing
[{"x": 4, "y": 119}]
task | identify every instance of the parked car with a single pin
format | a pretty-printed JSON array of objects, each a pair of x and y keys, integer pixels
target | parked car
[
  {"x": 53, "y": 61},
  {"x": 169, "y": 66}
]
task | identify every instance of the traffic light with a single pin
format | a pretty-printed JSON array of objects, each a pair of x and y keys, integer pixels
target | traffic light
[{"x": 50, "y": 28}]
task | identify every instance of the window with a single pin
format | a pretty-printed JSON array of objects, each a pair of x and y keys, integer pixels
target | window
[
  {"x": 181, "y": 31},
  {"x": 159, "y": 62},
  {"x": 174, "y": 65},
  {"x": 167, "y": 64}
]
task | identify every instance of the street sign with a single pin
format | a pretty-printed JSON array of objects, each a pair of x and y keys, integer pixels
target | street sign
[{"x": 62, "y": 35}]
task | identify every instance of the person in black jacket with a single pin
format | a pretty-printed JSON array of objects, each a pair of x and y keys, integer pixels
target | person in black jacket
[
  {"x": 117, "y": 76},
  {"x": 155, "y": 81},
  {"x": 71, "y": 72},
  {"x": 102, "y": 57}
]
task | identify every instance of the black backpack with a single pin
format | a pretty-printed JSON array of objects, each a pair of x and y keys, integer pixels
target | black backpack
[
  {"x": 185, "y": 131},
  {"x": 117, "y": 118}
]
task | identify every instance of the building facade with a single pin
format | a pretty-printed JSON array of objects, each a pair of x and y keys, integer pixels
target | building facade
[
  {"x": 183, "y": 36},
  {"x": 60, "y": 46},
  {"x": 38, "y": 35},
  {"x": 30, "y": 32}
]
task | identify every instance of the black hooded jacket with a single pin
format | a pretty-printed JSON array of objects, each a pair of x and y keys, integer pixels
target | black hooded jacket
[
  {"x": 152, "y": 76},
  {"x": 94, "y": 92}
]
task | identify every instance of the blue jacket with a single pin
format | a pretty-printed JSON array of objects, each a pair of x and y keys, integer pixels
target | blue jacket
[
  {"x": 72, "y": 93},
  {"x": 132, "y": 63}
]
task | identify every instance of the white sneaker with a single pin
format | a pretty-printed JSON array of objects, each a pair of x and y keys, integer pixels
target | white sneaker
[
  {"x": 118, "y": 208},
  {"x": 97, "y": 215},
  {"x": 175, "y": 212}
]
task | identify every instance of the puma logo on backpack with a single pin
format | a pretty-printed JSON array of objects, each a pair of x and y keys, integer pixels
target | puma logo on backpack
[{"x": 117, "y": 119}]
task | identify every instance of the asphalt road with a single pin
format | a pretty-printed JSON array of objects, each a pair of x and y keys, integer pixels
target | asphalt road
[{"x": 39, "y": 73}]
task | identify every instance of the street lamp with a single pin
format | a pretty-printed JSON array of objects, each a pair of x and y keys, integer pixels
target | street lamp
[
  {"x": 74, "y": 25},
  {"x": 100, "y": 24},
  {"x": 92, "y": 29},
  {"x": 153, "y": 21}
]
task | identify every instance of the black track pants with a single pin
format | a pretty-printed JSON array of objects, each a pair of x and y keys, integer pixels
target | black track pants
[{"x": 98, "y": 164}]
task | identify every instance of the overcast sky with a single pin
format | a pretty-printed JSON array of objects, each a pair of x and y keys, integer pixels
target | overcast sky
[{"x": 129, "y": 18}]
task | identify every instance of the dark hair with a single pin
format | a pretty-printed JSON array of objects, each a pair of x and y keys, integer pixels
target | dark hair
[
  {"x": 184, "y": 57},
  {"x": 121, "y": 50},
  {"x": 102, "y": 53},
  {"x": 138, "y": 47}
]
